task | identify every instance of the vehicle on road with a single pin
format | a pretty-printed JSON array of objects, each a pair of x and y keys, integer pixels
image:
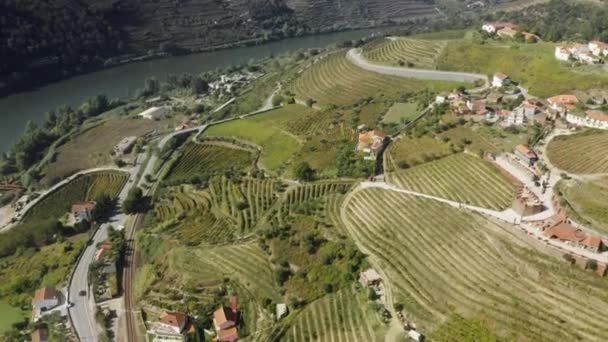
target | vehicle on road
[{"x": 82, "y": 292}]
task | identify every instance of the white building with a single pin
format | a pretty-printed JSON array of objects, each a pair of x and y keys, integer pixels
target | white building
[
  {"x": 416, "y": 336},
  {"x": 44, "y": 300},
  {"x": 500, "y": 80},
  {"x": 281, "y": 311},
  {"x": 492, "y": 28},
  {"x": 154, "y": 113},
  {"x": 562, "y": 54},
  {"x": 171, "y": 326},
  {"x": 598, "y": 48},
  {"x": 370, "y": 277},
  {"x": 592, "y": 118},
  {"x": 441, "y": 98}
]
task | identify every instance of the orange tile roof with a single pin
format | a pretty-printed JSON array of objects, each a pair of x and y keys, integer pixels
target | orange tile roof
[
  {"x": 44, "y": 293},
  {"x": 228, "y": 335},
  {"x": 507, "y": 31},
  {"x": 501, "y": 76},
  {"x": 79, "y": 207},
  {"x": 174, "y": 319},
  {"x": 223, "y": 315},
  {"x": 567, "y": 232},
  {"x": 597, "y": 115},
  {"x": 40, "y": 335},
  {"x": 524, "y": 149},
  {"x": 563, "y": 99}
]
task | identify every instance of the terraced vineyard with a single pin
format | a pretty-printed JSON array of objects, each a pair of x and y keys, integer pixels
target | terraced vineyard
[
  {"x": 335, "y": 80},
  {"x": 409, "y": 152},
  {"x": 421, "y": 53},
  {"x": 583, "y": 153},
  {"x": 84, "y": 188},
  {"x": 439, "y": 259},
  {"x": 317, "y": 190},
  {"x": 209, "y": 159},
  {"x": 340, "y": 316},
  {"x": 460, "y": 177}
]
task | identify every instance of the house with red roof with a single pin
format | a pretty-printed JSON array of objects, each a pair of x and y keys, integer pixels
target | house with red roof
[
  {"x": 44, "y": 300},
  {"x": 225, "y": 320},
  {"x": 371, "y": 141},
  {"x": 171, "y": 326},
  {"x": 83, "y": 211},
  {"x": 524, "y": 153},
  {"x": 562, "y": 103},
  {"x": 493, "y": 27},
  {"x": 571, "y": 235}
]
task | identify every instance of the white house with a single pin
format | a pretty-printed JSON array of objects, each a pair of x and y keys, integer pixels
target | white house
[
  {"x": 281, "y": 311},
  {"x": 588, "y": 57},
  {"x": 500, "y": 80},
  {"x": 171, "y": 326},
  {"x": 516, "y": 119},
  {"x": 44, "y": 299},
  {"x": 526, "y": 109},
  {"x": 598, "y": 48},
  {"x": 562, "y": 54},
  {"x": 495, "y": 26},
  {"x": 416, "y": 336},
  {"x": 154, "y": 113},
  {"x": 441, "y": 98},
  {"x": 592, "y": 118}
]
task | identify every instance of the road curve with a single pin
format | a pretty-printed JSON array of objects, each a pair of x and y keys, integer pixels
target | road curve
[{"x": 354, "y": 55}]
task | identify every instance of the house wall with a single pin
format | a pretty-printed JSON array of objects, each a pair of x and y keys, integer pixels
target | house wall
[{"x": 48, "y": 304}]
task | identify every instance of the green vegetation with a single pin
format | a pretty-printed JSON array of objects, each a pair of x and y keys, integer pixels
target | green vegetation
[
  {"x": 340, "y": 316},
  {"x": 405, "y": 52},
  {"x": 277, "y": 145},
  {"x": 458, "y": 328},
  {"x": 532, "y": 65},
  {"x": 409, "y": 151},
  {"x": 460, "y": 177},
  {"x": 401, "y": 112},
  {"x": 10, "y": 315},
  {"x": 586, "y": 202},
  {"x": 199, "y": 162},
  {"x": 582, "y": 153},
  {"x": 440, "y": 260},
  {"x": 335, "y": 80}
]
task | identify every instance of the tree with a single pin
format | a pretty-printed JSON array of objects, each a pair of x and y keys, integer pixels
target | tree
[
  {"x": 309, "y": 103},
  {"x": 199, "y": 86},
  {"x": 277, "y": 100},
  {"x": 591, "y": 264},
  {"x": 135, "y": 202},
  {"x": 304, "y": 172}
]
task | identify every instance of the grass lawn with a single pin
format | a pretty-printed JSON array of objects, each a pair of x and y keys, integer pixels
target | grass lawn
[
  {"x": 265, "y": 130},
  {"x": 477, "y": 143},
  {"x": 587, "y": 202},
  {"x": 532, "y": 65},
  {"x": 414, "y": 151},
  {"x": 9, "y": 316},
  {"x": 401, "y": 111}
]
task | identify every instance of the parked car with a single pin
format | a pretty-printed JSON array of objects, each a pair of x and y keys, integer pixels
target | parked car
[{"x": 82, "y": 292}]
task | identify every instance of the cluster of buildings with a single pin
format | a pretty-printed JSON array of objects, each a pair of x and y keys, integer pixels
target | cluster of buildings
[
  {"x": 229, "y": 83},
  {"x": 591, "y": 118},
  {"x": 507, "y": 30},
  {"x": 590, "y": 53}
]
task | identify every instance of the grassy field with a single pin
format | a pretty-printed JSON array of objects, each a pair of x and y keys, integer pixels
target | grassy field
[
  {"x": 587, "y": 202},
  {"x": 340, "y": 316},
  {"x": 265, "y": 130},
  {"x": 460, "y": 177},
  {"x": 532, "y": 65},
  {"x": 475, "y": 142},
  {"x": 582, "y": 153},
  {"x": 401, "y": 51},
  {"x": 335, "y": 80},
  {"x": 207, "y": 159},
  {"x": 401, "y": 111},
  {"x": 440, "y": 261},
  {"x": 9, "y": 316},
  {"x": 84, "y": 188},
  {"x": 409, "y": 151},
  {"x": 92, "y": 147}
]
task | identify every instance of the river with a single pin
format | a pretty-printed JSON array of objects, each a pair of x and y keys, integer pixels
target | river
[{"x": 17, "y": 109}]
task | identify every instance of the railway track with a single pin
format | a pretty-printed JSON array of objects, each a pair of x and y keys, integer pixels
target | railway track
[{"x": 130, "y": 262}]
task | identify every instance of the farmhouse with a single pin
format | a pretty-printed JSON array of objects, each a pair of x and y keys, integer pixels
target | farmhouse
[
  {"x": 495, "y": 26},
  {"x": 225, "y": 321},
  {"x": 569, "y": 234},
  {"x": 124, "y": 146},
  {"x": 83, "y": 211},
  {"x": 598, "y": 48},
  {"x": 562, "y": 53},
  {"x": 526, "y": 202},
  {"x": 476, "y": 106},
  {"x": 592, "y": 118},
  {"x": 40, "y": 335},
  {"x": 500, "y": 80},
  {"x": 562, "y": 103},
  {"x": 172, "y": 326},
  {"x": 371, "y": 141},
  {"x": 524, "y": 153},
  {"x": 154, "y": 113},
  {"x": 44, "y": 299},
  {"x": 370, "y": 277}
]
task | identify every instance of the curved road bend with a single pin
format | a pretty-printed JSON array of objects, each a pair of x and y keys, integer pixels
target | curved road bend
[{"x": 354, "y": 55}]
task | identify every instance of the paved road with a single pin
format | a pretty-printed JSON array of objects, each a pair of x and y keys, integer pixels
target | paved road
[{"x": 434, "y": 75}]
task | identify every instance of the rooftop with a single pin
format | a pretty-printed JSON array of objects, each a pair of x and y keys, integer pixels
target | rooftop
[{"x": 45, "y": 293}]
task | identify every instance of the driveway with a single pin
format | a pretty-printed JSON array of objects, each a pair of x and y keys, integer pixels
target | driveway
[{"x": 354, "y": 55}]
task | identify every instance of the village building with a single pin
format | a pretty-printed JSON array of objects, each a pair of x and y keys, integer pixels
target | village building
[
  {"x": 526, "y": 203},
  {"x": 415, "y": 335},
  {"x": 500, "y": 80},
  {"x": 172, "y": 326},
  {"x": 154, "y": 113},
  {"x": 562, "y": 103},
  {"x": 571, "y": 235},
  {"x": 83, "y": 211},
  {"x": 371, "y": 141},
  {"x": 102, "y": 251},
  {"x": 124, "y": 146},
  {"x": 370, "y": 277},
  {"x": 44, "y": 299},
  {"x": 507, "y": 32},
  {"x": 40, "y": 335},
  {"x": 562, "y": 53},
  {"x": 524, "y": 153},
  {"x": 441, "y": 98},
  {"x": 526, "y": 109},
  {"x": 225, "y": 322},
  {"x": 515, "y": 118},
  {"x": 591, "y": 118},
  {"x": 598, "y": 48},
  {"x": 477, "y": 106},
  {"x": 493, "y": 27},
  {"x": 281, "y": 311},
  {"x": 580, "y": 52}
]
